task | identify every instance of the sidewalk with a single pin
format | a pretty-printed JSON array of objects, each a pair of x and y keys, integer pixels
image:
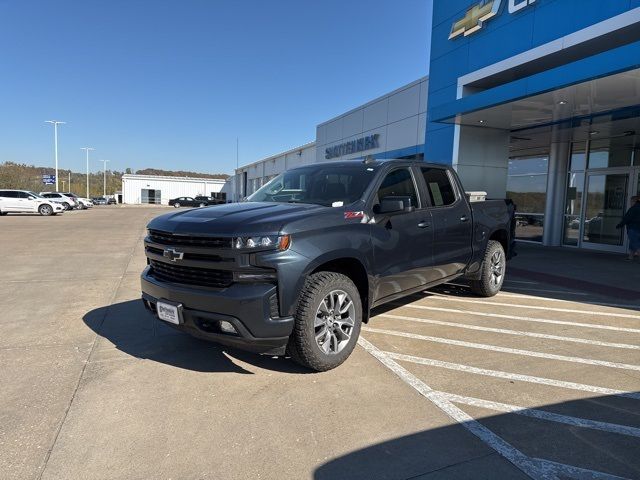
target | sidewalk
[{"x": 593, "y": 272}]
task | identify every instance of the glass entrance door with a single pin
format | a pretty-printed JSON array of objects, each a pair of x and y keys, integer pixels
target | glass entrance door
[{"x": 604, "y": 205}]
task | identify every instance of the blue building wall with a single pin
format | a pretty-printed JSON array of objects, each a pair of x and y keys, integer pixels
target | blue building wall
[{"x": 502, "y": 37}]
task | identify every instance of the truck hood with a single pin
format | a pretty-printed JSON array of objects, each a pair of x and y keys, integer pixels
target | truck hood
[{"x": 241, "y": 219}]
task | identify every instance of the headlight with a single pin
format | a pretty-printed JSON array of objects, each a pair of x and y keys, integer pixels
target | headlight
[{"x": 281, "y": 242}]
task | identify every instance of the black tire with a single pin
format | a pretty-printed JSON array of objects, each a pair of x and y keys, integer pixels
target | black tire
[
  {"x": 493, "y": 271},
  {"x": 3, "y": 213},
  {"x": 45, "y": 210},
  {"x": 303, "y": 347},
  {"x": 66, "y": 206},
  {"x": 177, "y": 205},
  {"x": 203, "y": 205}
]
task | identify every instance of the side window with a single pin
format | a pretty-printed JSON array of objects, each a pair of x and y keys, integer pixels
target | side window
[
  {"x": 22, "y": 195},
  {"x": 439, "y": 186},
  {"x": 8, "y": 194},
  {"x": 398, "y": 183}
]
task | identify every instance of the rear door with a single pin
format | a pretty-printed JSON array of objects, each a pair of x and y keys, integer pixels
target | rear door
[
  {"x": 452, "y": 222},
  {"x": 10, "y": 201},
  {"x": 401, "y": 240}
]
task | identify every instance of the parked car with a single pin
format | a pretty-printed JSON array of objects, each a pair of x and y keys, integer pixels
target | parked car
[
  {"x": 24, "y": 201},
  {"x": 83, "y": 203},
  {"x": 69, "y": 203},
  {"x": 111, "y": 201},
  {"x": 99, "y": 200},
  {"x": 190, "y": 202},
  {"x": 299, "y": 266}
]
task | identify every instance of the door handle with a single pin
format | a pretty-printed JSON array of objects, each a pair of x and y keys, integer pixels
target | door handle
[
  {"x": 424, "y": 225},
  {"x": 464, "y": 218}
]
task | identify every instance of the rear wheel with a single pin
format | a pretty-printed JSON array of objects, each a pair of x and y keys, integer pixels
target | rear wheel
[
  {"x": 45, "y": 210},
  {"x": 493, "y": 271},
  {"x": 203, "y": 205},
  {"x": 177, "y": 205},
  {"x": 327, "y": 322}
]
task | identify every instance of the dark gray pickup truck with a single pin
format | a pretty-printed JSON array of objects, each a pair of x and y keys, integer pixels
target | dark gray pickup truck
[{"x": 298, "y": 267}]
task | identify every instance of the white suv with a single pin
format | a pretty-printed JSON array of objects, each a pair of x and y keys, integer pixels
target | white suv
[
  {"x": 23, "y": 201},
  {"x": 69, "y": 203}
]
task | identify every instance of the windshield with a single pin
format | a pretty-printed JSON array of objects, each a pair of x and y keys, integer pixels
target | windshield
[
  {"x": 328, "y": 185},
  {"x": 35, "y": 195}
]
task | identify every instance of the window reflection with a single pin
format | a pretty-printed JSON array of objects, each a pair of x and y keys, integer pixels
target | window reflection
[{"x": 527, "y": 187}]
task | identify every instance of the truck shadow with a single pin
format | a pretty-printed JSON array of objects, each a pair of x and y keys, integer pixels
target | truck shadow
[
  {"x": 136, "y": 332},
  {"x": 592, "y": 450}
]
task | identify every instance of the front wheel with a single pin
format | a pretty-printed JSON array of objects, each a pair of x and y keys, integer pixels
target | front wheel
[
  {"x": 493, "y": 271},
  {"x": 66, "y": 206},
  {"x": 203, "y": 205},
  {"x": 327, "y": 322},
  {"x": 45, "y": 210}
]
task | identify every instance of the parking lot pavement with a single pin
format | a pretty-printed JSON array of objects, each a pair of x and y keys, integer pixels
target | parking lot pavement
[{"x": 527, "y": 384}]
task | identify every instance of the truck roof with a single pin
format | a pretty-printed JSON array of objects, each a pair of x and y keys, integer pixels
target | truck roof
[{"x": 377, "y": 163}]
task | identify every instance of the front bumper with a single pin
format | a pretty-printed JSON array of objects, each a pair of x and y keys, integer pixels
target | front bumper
[{"x": 248, "y": 307}]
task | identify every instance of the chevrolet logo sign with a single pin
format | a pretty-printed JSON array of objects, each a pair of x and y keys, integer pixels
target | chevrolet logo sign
[
  {"x": 474, "y": 18},
  {"x": 172, "y": 254}
]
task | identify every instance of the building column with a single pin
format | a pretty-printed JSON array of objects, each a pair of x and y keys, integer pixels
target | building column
[{"x": 556, "y": 186}]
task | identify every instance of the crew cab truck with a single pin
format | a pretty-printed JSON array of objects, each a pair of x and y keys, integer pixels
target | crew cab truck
[{"x": 297, "y": 268}]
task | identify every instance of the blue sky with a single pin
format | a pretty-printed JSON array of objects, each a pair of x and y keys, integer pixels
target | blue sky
[{"x": 171, "y": 84}]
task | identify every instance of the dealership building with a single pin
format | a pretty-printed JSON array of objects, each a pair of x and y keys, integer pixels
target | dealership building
[
  {"x": 158, "y": 189},
  {"x": 535, "y": 100}
]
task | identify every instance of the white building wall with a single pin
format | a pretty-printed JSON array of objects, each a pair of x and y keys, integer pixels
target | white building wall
[
  {"x": 260, "y": 172},
  {"x": 170, "y": 187},
  {"x": 398, "y": 118}
]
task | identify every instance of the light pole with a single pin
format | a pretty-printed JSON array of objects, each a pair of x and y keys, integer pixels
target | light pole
[
  {"x": 86, "y": 149},
  {"x": 104, "y": 181},
  {"x": 55, "y": 124}
]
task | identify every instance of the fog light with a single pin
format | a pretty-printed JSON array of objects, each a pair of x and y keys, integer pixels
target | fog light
[{"x": 226, "y": 327}]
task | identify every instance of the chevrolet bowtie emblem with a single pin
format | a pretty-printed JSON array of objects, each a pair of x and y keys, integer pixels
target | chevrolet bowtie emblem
[
  {"x": 173, "y": 254},
  {"x": 474, "y": 17}
]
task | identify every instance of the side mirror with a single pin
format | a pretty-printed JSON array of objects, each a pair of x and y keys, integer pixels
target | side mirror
[{"x": 395, "y": 205}]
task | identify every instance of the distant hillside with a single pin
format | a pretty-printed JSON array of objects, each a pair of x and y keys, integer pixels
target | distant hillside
[
  {"x": 180, "y": 173},
  {"x": 29, "y": 177}
]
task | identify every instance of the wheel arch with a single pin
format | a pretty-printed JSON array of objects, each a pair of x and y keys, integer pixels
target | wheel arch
[{"x": 353, "y": 268}]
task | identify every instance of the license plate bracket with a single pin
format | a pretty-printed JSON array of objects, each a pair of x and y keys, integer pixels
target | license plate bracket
[{"x": 169, "y": 311}]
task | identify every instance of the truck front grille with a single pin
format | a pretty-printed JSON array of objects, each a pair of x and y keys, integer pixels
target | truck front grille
[
  {"x": 204, "y": 277},
  {"x": 166, "y": 238}
]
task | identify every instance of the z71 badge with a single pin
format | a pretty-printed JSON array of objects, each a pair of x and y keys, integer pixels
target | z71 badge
[{"x": 349, "y": 215}]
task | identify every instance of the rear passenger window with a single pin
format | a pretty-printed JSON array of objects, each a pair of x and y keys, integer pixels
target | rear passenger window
[
  {"x": 398, "y": 183},
  {"x": 439, "y": 186}
]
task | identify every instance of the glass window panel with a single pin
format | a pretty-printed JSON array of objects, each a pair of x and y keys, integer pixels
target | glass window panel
[
  {"x": 578, "y": 160},
  {"x": 611, "y": 152},
  {"x": 605, "y": 206},
  {"x": 527, "y": 187},
  {"x": 573, "y": 208}
]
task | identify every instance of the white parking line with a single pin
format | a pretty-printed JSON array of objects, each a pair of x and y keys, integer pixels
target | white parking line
[
  {"x": 518, "y": 318},
  {"x": 542, "y": 290},
  {"x": 512, "y": 376},
  {"x": 545, "y": 299},
  {"x": 515, "y": 351},
  {"x": 538, "y": 307},
  {"x": 511, "y": 332},
  {"x": 496, "y": 442},
  {"x": 576, "y": 473},
  {"x": 544, "y": 415}
]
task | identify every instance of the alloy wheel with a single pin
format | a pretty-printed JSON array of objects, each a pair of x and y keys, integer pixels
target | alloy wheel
[
  {"x": 497, "y": 268},
  {"x": 334, "y": 322}
]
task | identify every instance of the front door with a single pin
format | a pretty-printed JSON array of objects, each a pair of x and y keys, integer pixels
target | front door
[
  {"x": 402, "y": 241},
  {"x": 606, "y": 200}
]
